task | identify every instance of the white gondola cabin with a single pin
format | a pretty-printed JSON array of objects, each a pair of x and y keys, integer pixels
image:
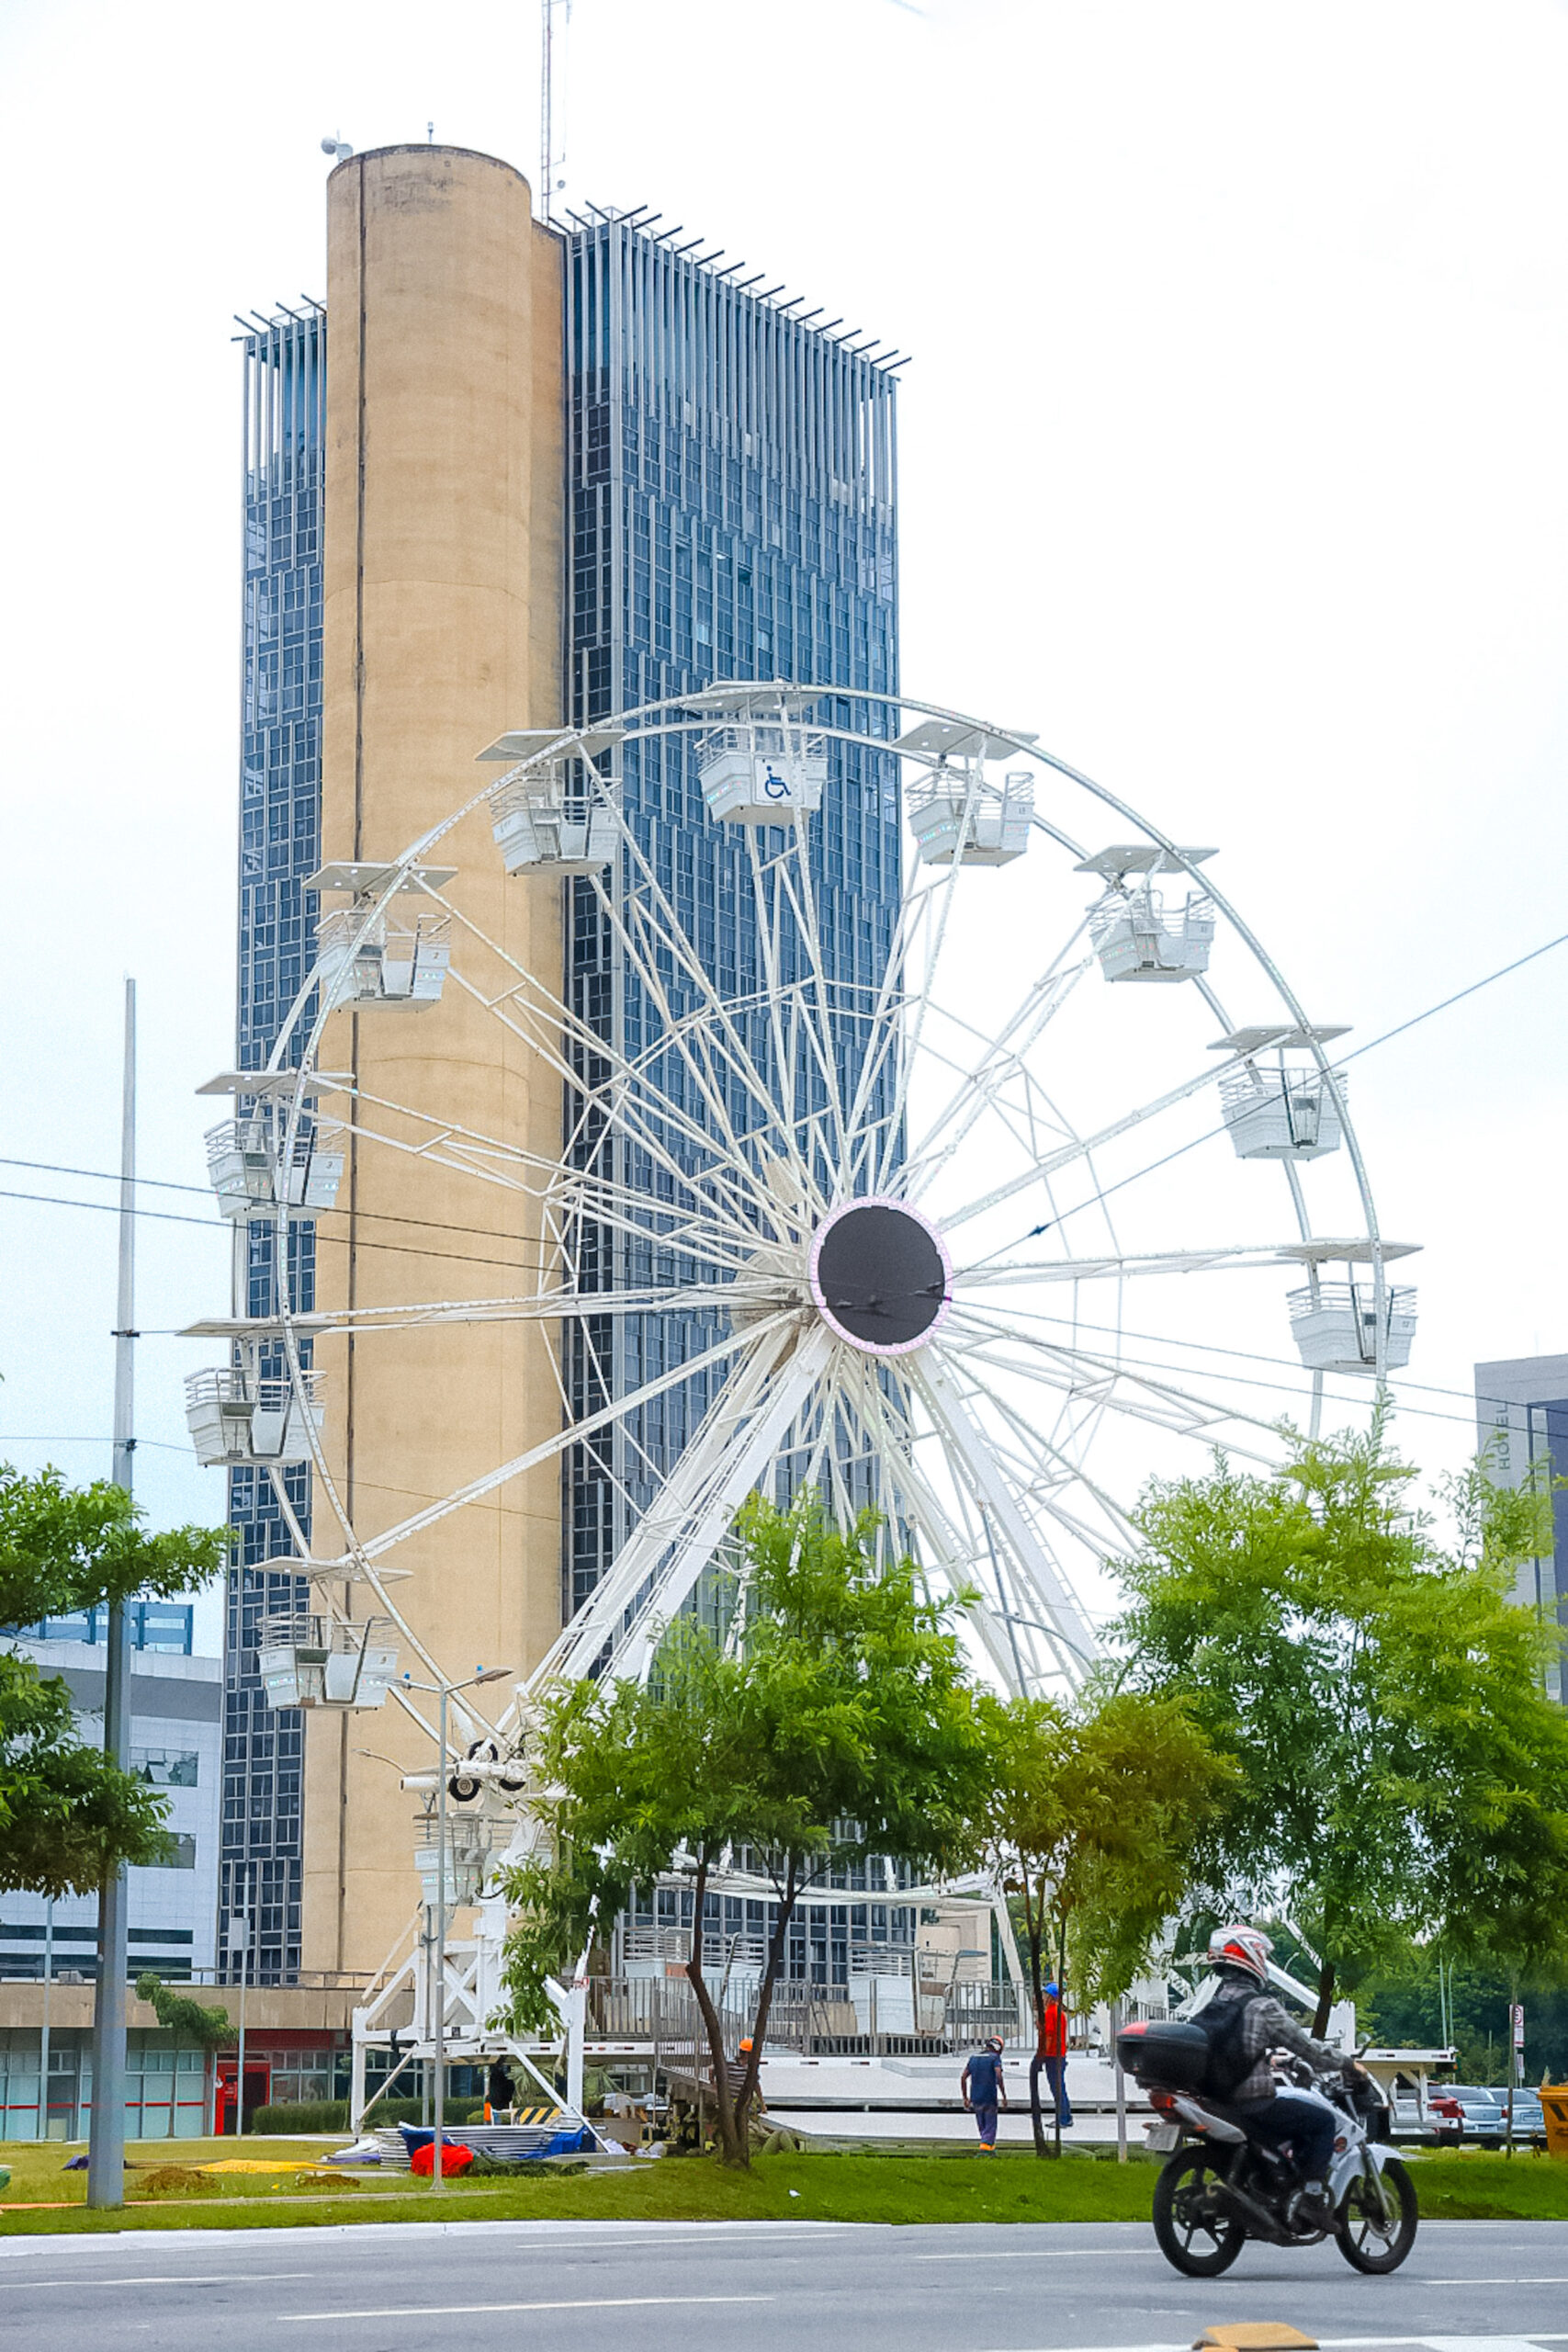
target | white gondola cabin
[
  {"x": 244, "y": 1160},
  {"x": 474, "y": 1843},
  {"x": 1335, "y": 1322},
  {"x": 760, "y": 763},
  {"x": 758, "y": 775},
  {"x": 1334, "y": 1325},
  {"x": 371, "y": 953},
  {"x": 977, "y": 823},
  {"x": 236, "y": 1416},
  {"x": 307, "y": 1660},
  {"x": 954, "y": 810},
  {"x": 1136, "y": 936},
  {"x": 554, "y": 810}
]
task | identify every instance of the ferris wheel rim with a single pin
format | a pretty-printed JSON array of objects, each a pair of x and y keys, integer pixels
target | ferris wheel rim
[{"x": 675, "y": 716}]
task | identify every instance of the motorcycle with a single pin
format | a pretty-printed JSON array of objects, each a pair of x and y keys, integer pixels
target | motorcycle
[{"x": 1220, "y": 2186}]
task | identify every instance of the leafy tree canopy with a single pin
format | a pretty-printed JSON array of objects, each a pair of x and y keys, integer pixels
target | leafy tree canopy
[
  {"x": 1402, "y": 1772},
  {"x": 68, "y": 1816},
  {"x": 1094, "y": 1817},
  {"x": 837, "y": 1719},
  {"x": 179, "y": 2015}
]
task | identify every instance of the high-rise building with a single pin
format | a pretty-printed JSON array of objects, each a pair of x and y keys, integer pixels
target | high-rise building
[
  {"x": 1521, "y": 1427},
  {"x": 175, "y": 1741},
  {"x": 516, "y": 475}
]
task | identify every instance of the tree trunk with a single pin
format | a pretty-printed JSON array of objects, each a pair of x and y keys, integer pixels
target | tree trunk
[
  {"x": 1037, "y": 1986},
  {"x": 788, "y": 1895},
  {"x": 732, "y": 2145},
  {"x": 1324, "y": 2000}
]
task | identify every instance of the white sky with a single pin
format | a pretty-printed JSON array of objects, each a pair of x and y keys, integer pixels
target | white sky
[{"x": 1233, "y": 461}]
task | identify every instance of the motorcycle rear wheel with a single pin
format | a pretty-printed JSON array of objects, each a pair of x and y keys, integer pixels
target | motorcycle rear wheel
[
  {"x": 1366, "y": 2240},
  {"x": 1196, "y": 2230}
]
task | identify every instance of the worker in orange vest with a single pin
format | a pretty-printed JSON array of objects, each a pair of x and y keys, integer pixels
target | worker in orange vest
[{"x": 1052, "y": 2053}]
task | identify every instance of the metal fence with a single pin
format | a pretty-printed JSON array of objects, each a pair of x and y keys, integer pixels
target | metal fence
[{"x": 861, "y": 2020}]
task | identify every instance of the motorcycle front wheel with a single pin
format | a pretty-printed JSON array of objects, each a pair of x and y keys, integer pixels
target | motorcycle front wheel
[
  {"x": 1198, "y": 2233},
  {"x": 1368, "y": 2238}
]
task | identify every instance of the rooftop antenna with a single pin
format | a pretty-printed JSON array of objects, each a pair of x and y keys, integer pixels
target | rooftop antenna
[
  {"x": 338, "y": 149},
  {"x": 549, "y": 161}
]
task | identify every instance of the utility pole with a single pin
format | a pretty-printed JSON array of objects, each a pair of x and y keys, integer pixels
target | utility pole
[
  {"x": 106, "y": 2143},
  {"x": 547, "y": 156},
  {"x": 43, "y": 2043}
]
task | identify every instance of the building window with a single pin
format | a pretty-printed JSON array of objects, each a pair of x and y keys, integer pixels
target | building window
[
  {"x": 165, "y": 1768},
  {"x": 179, "y": 1853}
]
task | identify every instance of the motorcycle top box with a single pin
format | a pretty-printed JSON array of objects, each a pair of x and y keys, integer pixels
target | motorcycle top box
[{"x": 1164, "y": 2052}]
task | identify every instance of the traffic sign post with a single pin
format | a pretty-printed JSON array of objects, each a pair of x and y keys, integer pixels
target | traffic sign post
[{"x": 1517, "y": 2059}]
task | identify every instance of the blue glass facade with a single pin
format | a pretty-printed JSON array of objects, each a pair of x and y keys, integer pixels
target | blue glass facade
[
  {"x": 280, "y": 816},
  {"x": 732, "y": 511},
  {"x": 731, "y": 504}
]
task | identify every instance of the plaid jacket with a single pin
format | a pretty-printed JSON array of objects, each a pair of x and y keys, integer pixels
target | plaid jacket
[{"x": 1265, "y": 2026}]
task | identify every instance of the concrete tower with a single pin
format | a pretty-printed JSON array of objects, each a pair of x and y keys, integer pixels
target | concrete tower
[{"x": 443, "y": 623}]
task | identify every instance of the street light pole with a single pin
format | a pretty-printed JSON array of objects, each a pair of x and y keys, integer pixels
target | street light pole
[
  {"x": 436, "y": 2178},
  {"x": 442, "y": 1692},
  {"x": 105, "y": 2143}
]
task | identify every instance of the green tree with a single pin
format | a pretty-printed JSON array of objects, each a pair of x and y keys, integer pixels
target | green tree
[
  {"x": 1402, "y": 1771},
  {"x": 189, "y": 2021},
  {"x": 836, "y": 1721},
  {"x": 68, "y": 1817},
  {"x": 1094, "y": 1817}
]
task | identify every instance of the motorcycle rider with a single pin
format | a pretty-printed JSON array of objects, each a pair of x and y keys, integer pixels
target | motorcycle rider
[{"x": 1239, "y": 1957}]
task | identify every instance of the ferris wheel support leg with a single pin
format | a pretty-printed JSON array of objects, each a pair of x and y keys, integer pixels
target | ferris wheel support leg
[
  {"x": 967, "y": 1441},
  {"x": 356, "y": 2073}
]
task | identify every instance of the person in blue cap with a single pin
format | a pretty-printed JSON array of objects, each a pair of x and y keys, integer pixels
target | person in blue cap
[
  {"x": 1053, "y": 2053},
  {"x": 984, "y": 2091}
]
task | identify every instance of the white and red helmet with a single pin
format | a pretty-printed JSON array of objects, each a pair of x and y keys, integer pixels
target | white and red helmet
[{"x": 1244, "y": 1948}]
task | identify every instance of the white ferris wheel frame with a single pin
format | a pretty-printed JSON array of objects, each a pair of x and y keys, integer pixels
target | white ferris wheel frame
[{"x": 785, "y": 1360}]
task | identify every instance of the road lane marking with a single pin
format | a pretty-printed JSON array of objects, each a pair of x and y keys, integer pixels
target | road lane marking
[
  {"x": 586, "y": 2303},
  {"x": 179, "y": 2278},
  {"x": 1021, "y": 2253}
]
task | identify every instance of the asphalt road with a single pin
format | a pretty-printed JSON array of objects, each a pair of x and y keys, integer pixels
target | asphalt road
[{"x": 1469, "y": 2287}]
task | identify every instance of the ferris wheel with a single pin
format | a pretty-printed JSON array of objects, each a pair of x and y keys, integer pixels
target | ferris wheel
[{"x": 982, "y": 1210}]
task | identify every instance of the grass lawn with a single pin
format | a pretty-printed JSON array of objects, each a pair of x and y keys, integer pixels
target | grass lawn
[{"x": 802, "y": 2187}]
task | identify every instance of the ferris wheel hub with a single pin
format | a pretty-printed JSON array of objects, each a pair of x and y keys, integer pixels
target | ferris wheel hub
[{"x": 880, "y": 1276}]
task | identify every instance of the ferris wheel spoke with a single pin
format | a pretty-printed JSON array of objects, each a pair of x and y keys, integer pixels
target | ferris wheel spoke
[
  {"x": 625, "y": 1099},
  {"x": 656, "y": 913},
  {"x": 826, "y": 1030},
  {"x": 724, "y": 1244},
  {"x": 551, "y": 1448},
  {"x": 1083, "y": 1146},
  {"x": 657, "y": 1567},
  {"x": 1231, "y": 1257},
  {"x": 913, "y": 1498},
  {"x": 951, "y": 1411},
  {"x": 1001, "y": 1061},
  {"x": 675, "y": 1032},
  {"x": 1046, "y": 1472},
  {"x": 934, "y": 934},
  {"x": 1112, "y": 1384}
]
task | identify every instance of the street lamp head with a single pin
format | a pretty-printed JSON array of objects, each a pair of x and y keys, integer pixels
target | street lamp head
[{"x": 493, "y": 1674}]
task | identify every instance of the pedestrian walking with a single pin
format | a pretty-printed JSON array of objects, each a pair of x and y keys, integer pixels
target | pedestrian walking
[
  {"x": 1052, "y": 2054},
  {"x": 984, "y": 2092},
  {"x": 499, "y": 2091}
]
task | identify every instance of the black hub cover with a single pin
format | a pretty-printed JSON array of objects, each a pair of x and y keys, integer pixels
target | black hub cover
[{"x": 879, "y": 1277}]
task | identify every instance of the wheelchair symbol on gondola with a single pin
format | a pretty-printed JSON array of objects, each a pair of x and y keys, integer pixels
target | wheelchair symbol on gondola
[{"x": 776, "y": 787}]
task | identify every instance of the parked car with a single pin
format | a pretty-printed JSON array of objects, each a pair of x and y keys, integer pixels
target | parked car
[{"x": 1468, "y": 2111}]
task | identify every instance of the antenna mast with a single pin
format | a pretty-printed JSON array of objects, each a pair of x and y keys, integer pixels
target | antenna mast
[{"x": 548, "y": 159}]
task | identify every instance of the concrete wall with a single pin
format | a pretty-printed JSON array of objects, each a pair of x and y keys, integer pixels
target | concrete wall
[{"x": 444, "y": 625}]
